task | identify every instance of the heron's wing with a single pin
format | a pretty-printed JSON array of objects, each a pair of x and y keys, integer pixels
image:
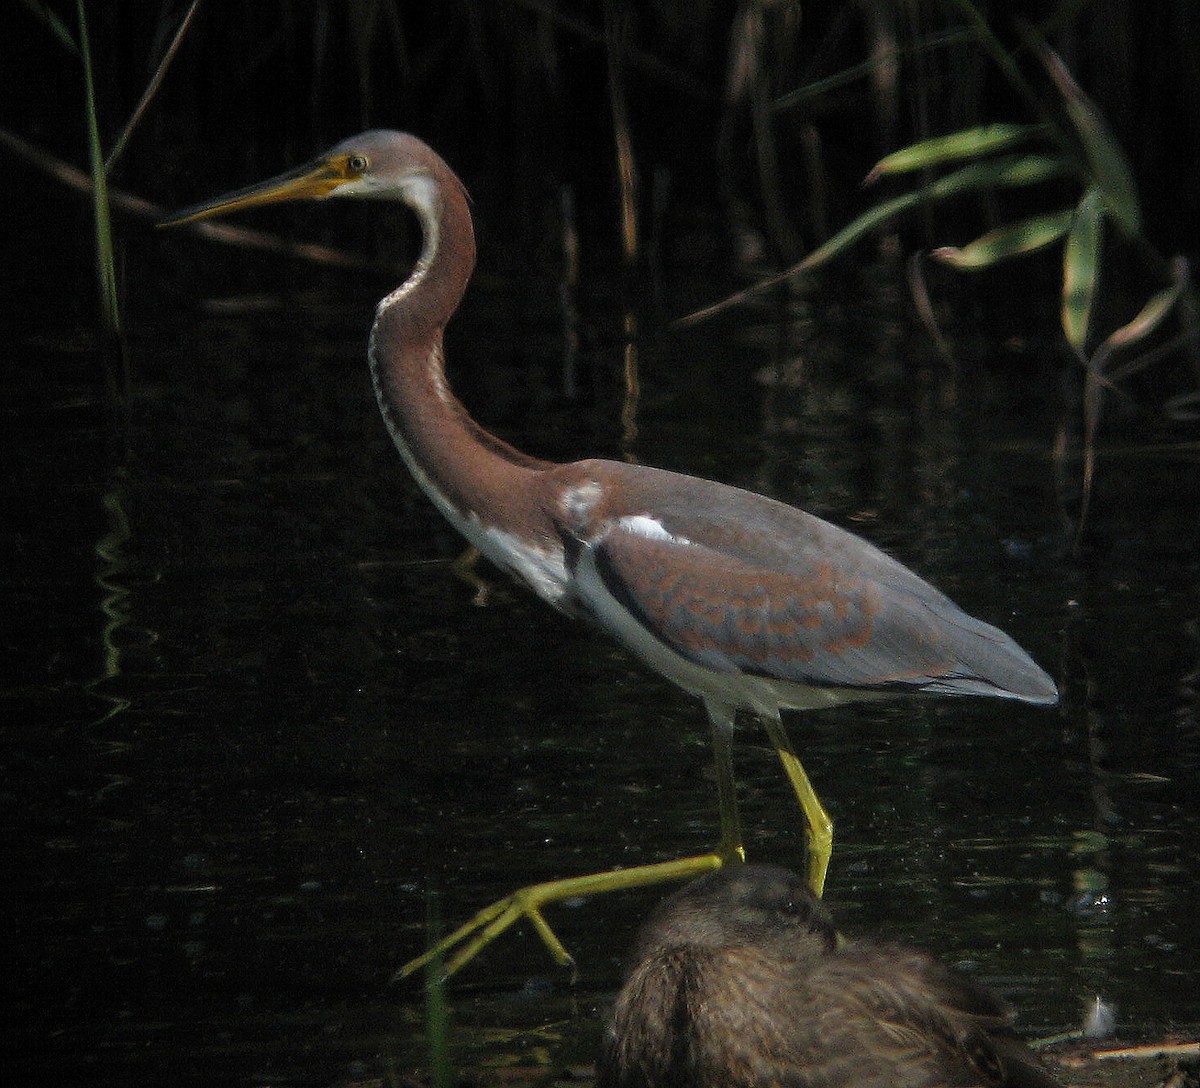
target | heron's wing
[
  {"x": 736, "y": 582},
  {"x": 824, "y": 626}
]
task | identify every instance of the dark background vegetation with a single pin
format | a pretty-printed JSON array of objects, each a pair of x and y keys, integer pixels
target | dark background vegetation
[{"x": 526, "y": 96}]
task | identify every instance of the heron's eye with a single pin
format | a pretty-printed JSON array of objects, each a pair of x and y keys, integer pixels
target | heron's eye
[{"x": 357, "y": 164}]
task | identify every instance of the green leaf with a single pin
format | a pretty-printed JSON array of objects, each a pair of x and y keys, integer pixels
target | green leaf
[
  {"x": 1148, "y": 318},
  {"x": 968, "y": 143},
  {"x": 1081, "y": 268},
  {"x": 1109, "y": 168},
  {"x": 1008, "y": 172},
  {"x": 1012, "y": 240}
]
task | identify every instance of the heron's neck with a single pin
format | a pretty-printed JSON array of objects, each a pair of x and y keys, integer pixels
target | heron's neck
[{"x": 486, "y": 488}]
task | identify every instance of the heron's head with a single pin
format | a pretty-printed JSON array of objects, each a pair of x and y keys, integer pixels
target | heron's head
[{"x": 376, "y": 165}]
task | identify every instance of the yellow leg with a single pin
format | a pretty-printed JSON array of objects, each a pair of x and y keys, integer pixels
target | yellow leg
[
  {"x": 729, "y": 847},
  {"x": 819, "y": 829},
  {"x": 464, "y": 568},
  {"x": 528, "y": 902},
  {"x": 490, "y": 922}
]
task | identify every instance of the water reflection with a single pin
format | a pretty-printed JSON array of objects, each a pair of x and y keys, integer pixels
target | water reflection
[{"x": 315, "y": 725}]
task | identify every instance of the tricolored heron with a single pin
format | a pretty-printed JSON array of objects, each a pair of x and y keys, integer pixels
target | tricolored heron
[
  {"x": 740, "y": 600},
  {"x": 739, "y": 980}
]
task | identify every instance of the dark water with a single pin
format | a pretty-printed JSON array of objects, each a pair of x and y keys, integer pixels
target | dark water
[{"x": 250, "y": 717}]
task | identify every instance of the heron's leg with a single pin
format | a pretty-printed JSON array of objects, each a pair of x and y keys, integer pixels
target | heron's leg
[
  {"x": 490, "y": 922},
  {"x": 528, "y": 902},
  {"x": 464, "y": 567},
  {"x": 819, "y": 830},
  {"x": 730, "y": 846}
]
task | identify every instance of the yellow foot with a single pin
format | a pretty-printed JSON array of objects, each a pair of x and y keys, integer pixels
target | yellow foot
[
  {"x": 528, "y": 902},
  {"x": 465, "y": 569}
]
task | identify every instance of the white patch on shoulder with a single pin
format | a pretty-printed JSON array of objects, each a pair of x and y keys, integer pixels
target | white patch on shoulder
[
  {"x": 577, "y": 504},
  {"x": 651, "y": 528}
]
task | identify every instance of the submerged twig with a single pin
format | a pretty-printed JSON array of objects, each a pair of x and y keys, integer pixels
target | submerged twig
[
  {"x": 917, "y": 287},
  {"x": 1151, "y": 1051}
]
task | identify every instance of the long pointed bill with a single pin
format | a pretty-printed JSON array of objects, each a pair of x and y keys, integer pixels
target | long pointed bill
[{"x": 309, "y": 182}]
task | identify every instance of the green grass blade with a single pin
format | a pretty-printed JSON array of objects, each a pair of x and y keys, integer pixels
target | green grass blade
[
  {"x": 1010, "y": 171},
  {"x": 1006, "y": 172},
  {"x": 152, "y": 87},
  {"x": 1081, "y": 268},
  {"x": 1012, "y": 240},
  {"x": 437, "y": 1012},
  {"x": 54, "y": 24},
  {"x": 967, "y": 143},
  {"x": 870, "y": 220},
  {"x": 1148, "y": 318},
  {"x": 820, "y": 87},
  {"x": 110, "y": 312},
  {"x": 1004, "y": 60},
  {"x": 1109, "y": 168}
]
